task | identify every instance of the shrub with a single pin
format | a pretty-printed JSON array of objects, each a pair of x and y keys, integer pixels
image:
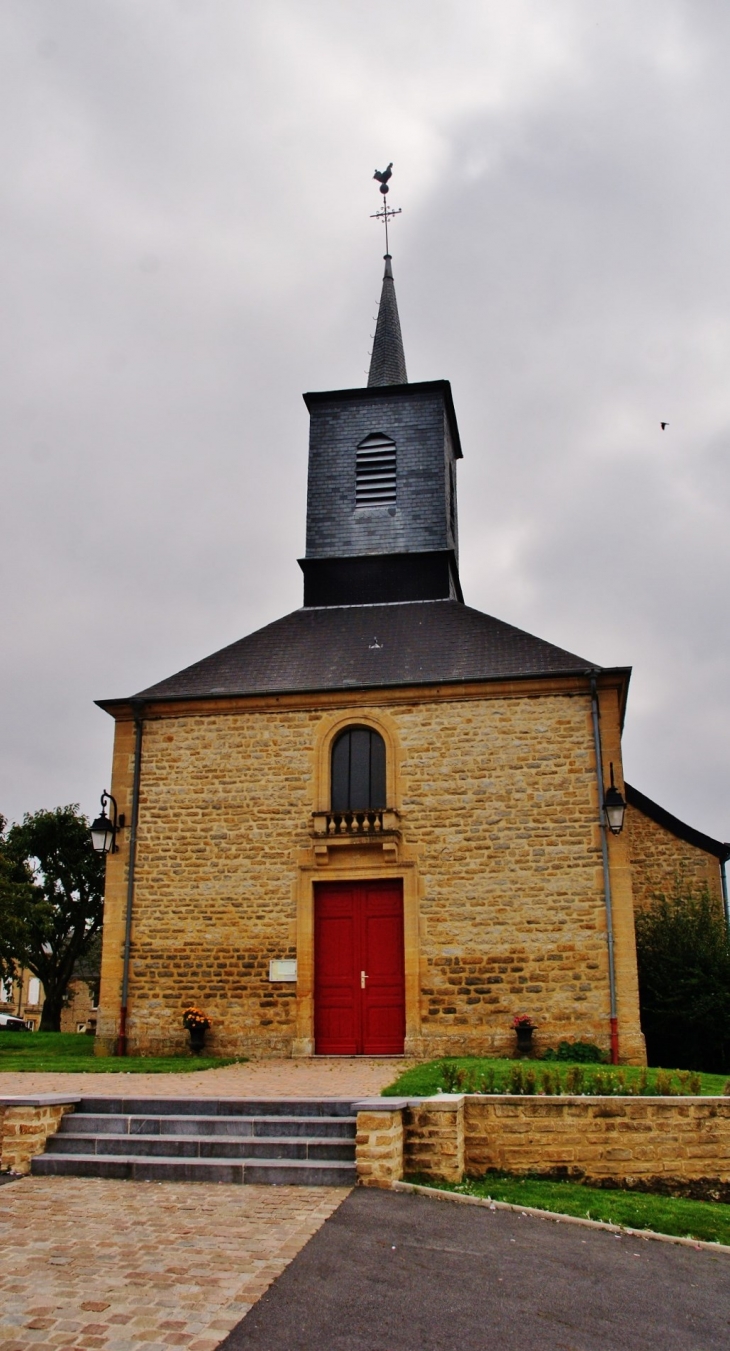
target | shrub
[
  {"x": 487, "y": 1083},
  {"x": 574, "y": 1079},
  {"x": 580, "y": 1052},
  {"x": 550, "y": 1083},
  {"x": 516, "y": 1079},
  {"x": 453, "y": 1078},
  {"x": 684, "y": 981}
]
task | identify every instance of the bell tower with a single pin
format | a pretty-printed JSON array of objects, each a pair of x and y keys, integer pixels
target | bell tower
[{"x": 382, "y": 521}]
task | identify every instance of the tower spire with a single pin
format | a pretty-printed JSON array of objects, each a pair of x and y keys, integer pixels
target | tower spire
[{"x": 388, "y": 362}]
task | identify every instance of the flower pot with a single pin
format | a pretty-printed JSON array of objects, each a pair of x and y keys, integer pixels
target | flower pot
[
  {"x": 197, "y": 1040},
  {"x": 524, "y": 1040}
]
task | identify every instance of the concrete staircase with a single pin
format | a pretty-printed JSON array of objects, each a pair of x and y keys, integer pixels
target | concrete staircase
[{"x": 279, "y": 1142}]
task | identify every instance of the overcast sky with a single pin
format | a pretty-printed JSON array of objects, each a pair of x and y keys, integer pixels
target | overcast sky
[{"x": 185, "y": 200}]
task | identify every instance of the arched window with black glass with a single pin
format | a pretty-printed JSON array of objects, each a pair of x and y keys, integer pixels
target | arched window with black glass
[{"x": 358, "y": 771}]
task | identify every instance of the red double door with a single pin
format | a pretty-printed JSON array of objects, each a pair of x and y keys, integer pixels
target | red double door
[{"x": 359, "y": 984}]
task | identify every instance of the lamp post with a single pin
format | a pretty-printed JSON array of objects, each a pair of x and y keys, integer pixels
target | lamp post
[
  {"x": 103, "y": 831},
  {"x": 614, "y": 808}
]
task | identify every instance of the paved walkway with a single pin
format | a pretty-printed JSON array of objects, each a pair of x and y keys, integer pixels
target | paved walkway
[
  {"x": 390, "y": 1272},
  {"x": 135, "y": 1266},
  {"x": 320, "y": 1077}
]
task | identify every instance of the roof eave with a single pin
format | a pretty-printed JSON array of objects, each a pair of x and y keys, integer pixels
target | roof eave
[{"x": 114, "y": 706}]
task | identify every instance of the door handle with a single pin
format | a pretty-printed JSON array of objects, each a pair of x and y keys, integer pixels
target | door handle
[{"x": 363, "y": 978}]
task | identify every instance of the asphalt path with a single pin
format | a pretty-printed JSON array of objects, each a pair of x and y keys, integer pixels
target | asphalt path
[{"x": 398, "y": 1272}]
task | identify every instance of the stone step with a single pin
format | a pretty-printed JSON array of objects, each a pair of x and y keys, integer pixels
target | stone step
[
  {"x": 280, "y": 1141},
  {"x": 201, "y": 1146},
  {"x": 280, "y": 1172},
  {"x": 88, "y": 1123},
  {"x": 241, "y": 1107}
]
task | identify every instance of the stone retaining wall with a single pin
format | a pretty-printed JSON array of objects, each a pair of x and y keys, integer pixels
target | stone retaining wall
[
  {"x": 25, "y": 1125},
  {"x": 379, "y": 1141},
  {"x": 600, "y": 1139},
  {"x": 656, "y": 1143}
]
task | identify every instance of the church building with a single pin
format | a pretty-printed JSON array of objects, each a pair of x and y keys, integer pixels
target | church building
[{"x": 379, "y": 825}]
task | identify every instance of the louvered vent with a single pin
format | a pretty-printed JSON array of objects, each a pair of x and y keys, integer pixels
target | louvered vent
[{"x": 375, "y": 472}]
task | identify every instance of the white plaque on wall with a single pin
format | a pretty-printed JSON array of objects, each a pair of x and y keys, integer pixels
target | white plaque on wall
[{"x": 283, "y": 969}]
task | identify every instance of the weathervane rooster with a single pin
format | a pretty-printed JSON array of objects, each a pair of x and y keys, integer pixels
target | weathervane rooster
[
  {"x": 386, "y": 213},
  {"x": 383, "y": 175}
]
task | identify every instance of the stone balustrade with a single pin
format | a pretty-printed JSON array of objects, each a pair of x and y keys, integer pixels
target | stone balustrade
[{"x": 375, "y": 822}]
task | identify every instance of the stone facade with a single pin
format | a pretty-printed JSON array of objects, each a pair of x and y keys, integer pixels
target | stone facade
[
  {"x": 79, "y": 1013},
  {"x": 664, "y": 864},
  {"x": 24, "y": 998},
  {"x": 494, "y": 793}
]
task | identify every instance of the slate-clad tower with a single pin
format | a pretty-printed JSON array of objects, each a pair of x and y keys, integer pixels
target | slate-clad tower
[{"x": 381, "y": 504}]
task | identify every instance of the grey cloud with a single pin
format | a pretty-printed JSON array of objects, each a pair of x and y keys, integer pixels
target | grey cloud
[{"x": 187, "y": 247}]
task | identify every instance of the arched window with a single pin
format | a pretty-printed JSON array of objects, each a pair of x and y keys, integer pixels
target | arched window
[{"x": 358, "y": 771}]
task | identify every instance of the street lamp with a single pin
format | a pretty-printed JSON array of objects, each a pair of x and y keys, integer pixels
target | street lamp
[
  {"x": 614, "y": 807},
  {"x": 104, "y": 831}
]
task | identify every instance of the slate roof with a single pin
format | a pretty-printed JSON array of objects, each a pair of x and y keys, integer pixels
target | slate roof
[
  {"x": 334, "y": 648},
  {"x": 388, "y": 361}
]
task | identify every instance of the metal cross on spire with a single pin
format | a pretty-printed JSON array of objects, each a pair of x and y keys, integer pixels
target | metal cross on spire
[{"x": 386, "y": 212}]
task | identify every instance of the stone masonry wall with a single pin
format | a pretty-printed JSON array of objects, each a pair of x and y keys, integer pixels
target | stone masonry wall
[
  {"x": 80, "y": 1008},
  {"x": 224, "y": 807},
  {"x": 498, "y": 803},
  {"x": 661, "y": 863},
  {"x": 665, "y": 1144},
  {"x": 500, "y": 799},
  {"x": 621, "y": 1139},
  {"x": 434, "y": 1137},
  {"x": 379, "y": 1142},
  {"x": 24, "y": 1129}
]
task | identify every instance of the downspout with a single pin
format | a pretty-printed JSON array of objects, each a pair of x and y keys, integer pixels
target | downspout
[
  {"x": 606, "y": 873},
  {"x": 723, "y": 883},
  {"x": 138, "y": 724}
]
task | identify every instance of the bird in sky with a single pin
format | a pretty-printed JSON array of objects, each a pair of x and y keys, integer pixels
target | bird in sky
[
  {"x": 663, "y": 425},
  {"x": 383, "y": 175}
]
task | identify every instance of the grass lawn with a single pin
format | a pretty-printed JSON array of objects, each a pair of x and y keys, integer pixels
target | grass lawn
[
  {"x": 707, "y": 1220},
  {"x": 485, "y": 1075},
  {"x": 73, "y": 1052}
]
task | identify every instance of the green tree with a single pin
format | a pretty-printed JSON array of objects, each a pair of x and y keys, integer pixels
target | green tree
[
  {"x": 683, "y": 953},
  {"x": 16, "y": 887},
  {"x": 51, "y": 900}
]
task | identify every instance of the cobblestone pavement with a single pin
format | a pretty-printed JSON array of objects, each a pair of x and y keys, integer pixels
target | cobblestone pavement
[
  {"x": 318, "y": 1077},
  {"x": 135, "y": 1266}
]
